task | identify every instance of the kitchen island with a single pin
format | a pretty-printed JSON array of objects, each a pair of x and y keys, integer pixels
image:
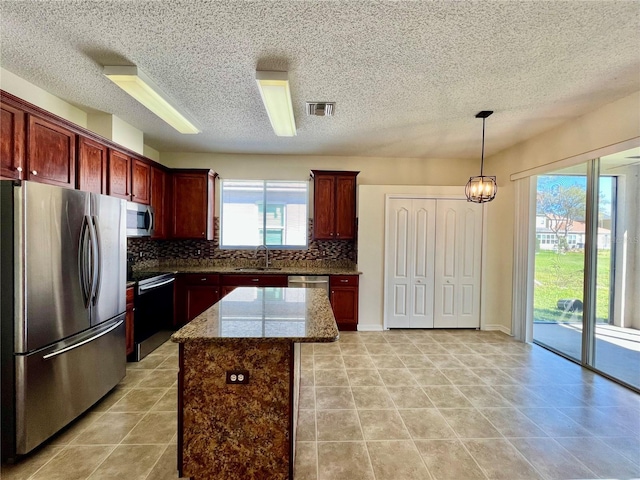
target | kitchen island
[{"x": 239, "y": 381}]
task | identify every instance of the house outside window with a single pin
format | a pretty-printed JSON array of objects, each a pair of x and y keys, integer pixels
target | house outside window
[{"x": 264, "y": 212}]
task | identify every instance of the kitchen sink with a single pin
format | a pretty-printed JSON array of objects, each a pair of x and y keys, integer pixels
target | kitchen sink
[{"x": 260, "y": 269}]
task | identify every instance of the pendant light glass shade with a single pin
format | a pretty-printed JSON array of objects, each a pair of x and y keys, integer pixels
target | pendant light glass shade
[{"x": 482, "y": 188}]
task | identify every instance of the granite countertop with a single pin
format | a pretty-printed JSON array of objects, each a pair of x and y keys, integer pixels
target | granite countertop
[
  {"x": 264, "y": 314},
  {"x": 276, "y": 270},
  {"x": 300, "y": 269}
]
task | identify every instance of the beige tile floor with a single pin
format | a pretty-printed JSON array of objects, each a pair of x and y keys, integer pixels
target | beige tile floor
[{"x": 398, "y": 405}]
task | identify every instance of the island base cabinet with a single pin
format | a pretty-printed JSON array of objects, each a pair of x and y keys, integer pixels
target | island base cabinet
[
  {"x": 236, "y": 430},
  {"x": 343, "y": 294}
]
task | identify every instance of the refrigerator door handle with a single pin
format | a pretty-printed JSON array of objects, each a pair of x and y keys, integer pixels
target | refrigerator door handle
[
  {"x": 97, "y": 259},
  {"x": 83, "y": 342},
  {"x": 83, "y": 261}
]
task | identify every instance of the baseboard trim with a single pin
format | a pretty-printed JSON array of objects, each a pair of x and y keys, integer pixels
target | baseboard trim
[
  {"x": 370, "y": 328},
  {"x": 500, "y": 328}
]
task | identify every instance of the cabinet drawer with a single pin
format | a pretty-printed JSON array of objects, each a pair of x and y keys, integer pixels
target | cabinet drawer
[
  {"x": 255, "y": 280},
  {"x": 201, "y": 279},
  {"x": 343, "y": 280}
]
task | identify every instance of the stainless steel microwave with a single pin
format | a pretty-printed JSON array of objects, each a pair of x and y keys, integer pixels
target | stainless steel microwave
[{"x": 140, "y": 220}]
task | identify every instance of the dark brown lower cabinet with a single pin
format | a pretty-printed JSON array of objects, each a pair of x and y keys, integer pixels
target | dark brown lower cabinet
[
  {"x": 129, "y": 320},
  {"x": 343, "y": 294},
  {"x": 196, "y": 293}
]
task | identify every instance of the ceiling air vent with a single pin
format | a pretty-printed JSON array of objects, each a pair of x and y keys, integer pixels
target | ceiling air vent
[{"x": 321, "y": 109}]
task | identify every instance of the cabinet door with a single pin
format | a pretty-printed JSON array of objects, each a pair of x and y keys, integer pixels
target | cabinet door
[
  {"x": 140, "y": 181},
  {"x": 158, "y": 201},
  {"x": 190, "y": 206},
  {"x": 51, "y": 153},
  {"x": 457, "y": 264},
  {"x": 119, "y": 175},
  {"x": 12, "y": 142},
  {"x": 92, "y": 166},
  {"x": 199, "y": 298},
  {"x": 345, "y": 208},
  {"x": 344, "y": 302},
  {"x": 324, "y": 207},
  {"x": 129, "y": 321}
]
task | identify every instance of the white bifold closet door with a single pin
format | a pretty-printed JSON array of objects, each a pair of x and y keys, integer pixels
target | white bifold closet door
[
  {"x": 457, "y": 265},
  {"x": 432, "y": 263},
  {"x": 410, "y": 262}
]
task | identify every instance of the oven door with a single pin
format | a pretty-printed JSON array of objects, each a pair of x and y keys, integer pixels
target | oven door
[{"x": 153, "y": 317}]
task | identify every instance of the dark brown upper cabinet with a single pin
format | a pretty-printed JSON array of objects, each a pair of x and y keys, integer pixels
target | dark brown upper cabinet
[
  {"x": 119, "y": 184},
  {"x": 193, "y": 203},
  {"x": 140, "y": 181},
  {"x": 160, "y": 201},
  {"x": 51, "y": 153},
  {"x": 12, "y": 141},
  {"x": 334, "y": 205},
  {"x": 92, "y": 166}
]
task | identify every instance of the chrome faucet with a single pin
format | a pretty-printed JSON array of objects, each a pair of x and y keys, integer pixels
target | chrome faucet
[{"x": 266, "y": 254}]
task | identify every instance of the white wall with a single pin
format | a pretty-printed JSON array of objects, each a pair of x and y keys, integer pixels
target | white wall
[
  {"x": 19, "y": 87},
  {"x": 373, "y": 170},
  {"x": 104, "y": 124},
  {"x": 614, "y": 123}
]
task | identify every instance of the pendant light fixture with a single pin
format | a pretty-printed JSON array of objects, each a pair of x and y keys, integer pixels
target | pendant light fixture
[{"x": 482, "y": 188}]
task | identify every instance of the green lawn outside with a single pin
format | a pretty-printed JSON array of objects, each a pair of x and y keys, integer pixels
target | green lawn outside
[{"x": 562, "y": 276}]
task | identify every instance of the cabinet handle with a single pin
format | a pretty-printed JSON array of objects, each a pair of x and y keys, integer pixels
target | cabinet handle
[
  {"x": 18, "y": 169},
  {"x": 255, "y": 279},
  {"x": 344, "y": 281},
  {"x": 203, "y": 279},
  {"x": 337, "y": 234},
  {"x": 34, "y": 172}
]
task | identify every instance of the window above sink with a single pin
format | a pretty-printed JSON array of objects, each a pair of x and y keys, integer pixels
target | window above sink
[{"x": 264, "y": 212}]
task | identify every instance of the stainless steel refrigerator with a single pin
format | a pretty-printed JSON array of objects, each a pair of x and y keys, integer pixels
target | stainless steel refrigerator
[{"x": 63, "y": 280}]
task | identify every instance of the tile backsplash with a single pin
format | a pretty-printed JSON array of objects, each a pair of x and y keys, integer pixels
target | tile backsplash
[{"x": 147, "y": 253}]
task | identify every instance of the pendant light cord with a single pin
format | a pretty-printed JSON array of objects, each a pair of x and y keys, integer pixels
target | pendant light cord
[{"x": 482, "y": 158}]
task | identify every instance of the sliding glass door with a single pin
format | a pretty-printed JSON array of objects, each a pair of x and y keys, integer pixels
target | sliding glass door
[
  {"x": 586, "y": 300},
  {"x": 559, "y": 260},
  {"x": 616, "y": 333}
]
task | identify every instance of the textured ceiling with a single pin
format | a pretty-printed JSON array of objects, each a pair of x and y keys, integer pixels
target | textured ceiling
[{"x": 407, "y": 77}]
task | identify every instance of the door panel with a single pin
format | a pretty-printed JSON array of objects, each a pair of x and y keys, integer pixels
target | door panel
[
  {"x": 419, "y": 301},
  {"x": 324, "y": 208},
  {"x": 402, "y": 243},
  {"x": 469, "y": 272},
  {"x": 401, "y": 300},
  {"x": 55, "y": 305},
  {"x": 109, "y": 213},
  {"x": 457, "y": 269},
  {"x": 409, "y": 260},
  {"x": 449, "y": 243},
  {"x": 397, "y": 261},
  {"x": 423, "y": 250},
  {"x": 346, "y": 207}
]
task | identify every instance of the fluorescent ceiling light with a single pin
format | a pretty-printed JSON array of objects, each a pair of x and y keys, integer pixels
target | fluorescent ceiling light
[
  {"x": 275, "y": 93},
  {"x": 133, "y": 81}
]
